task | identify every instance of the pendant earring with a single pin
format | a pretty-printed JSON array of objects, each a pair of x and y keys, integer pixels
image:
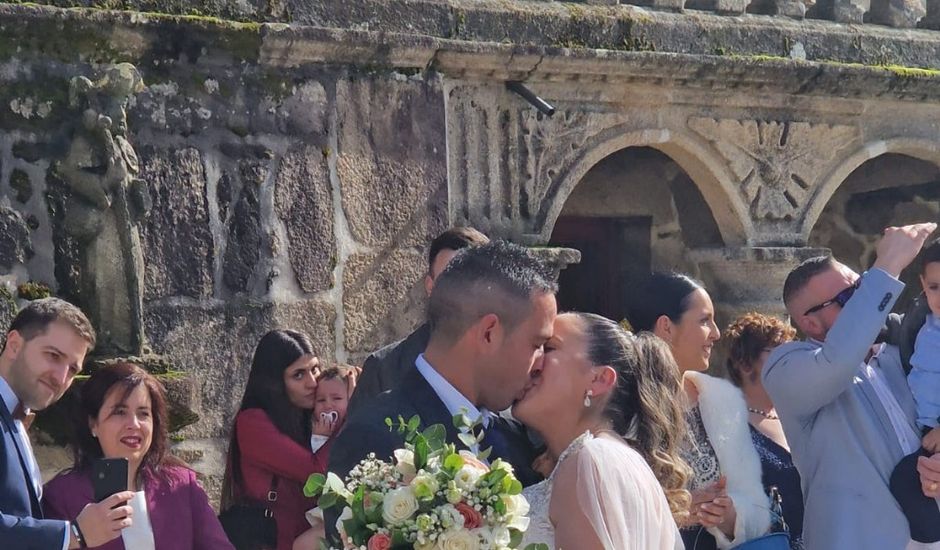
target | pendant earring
[{"x": 587, "y": 398}]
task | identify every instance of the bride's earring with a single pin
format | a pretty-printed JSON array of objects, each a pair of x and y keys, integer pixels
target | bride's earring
[{"x": 587, "y": 398}]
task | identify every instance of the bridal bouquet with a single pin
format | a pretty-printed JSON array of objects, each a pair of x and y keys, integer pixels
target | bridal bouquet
[{"x": 431, "y": 497}]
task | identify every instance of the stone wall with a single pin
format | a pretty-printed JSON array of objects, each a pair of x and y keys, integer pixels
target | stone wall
[{"x": 300, "y": 198}]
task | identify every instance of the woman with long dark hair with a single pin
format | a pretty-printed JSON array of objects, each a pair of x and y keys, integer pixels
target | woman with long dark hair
[
  {"x": 269, "y": 456},
  {"x": 729, "y": 505},
  {"x": 607, "y": 405},
  {"x": 124, "y": 414}
]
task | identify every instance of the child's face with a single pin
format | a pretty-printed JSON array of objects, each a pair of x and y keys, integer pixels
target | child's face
[
  {"x": 930, "y": 280},
  {"x": 331, "y": 396}
]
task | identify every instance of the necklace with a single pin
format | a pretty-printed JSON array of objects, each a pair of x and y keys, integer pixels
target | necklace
[{"x": 765, "y": 414}]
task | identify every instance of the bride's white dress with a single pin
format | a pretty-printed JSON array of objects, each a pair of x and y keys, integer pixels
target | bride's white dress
[{"x": 618, "y": 493}]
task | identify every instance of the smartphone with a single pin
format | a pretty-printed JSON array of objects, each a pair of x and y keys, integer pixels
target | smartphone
[{"x": 109, "y": 476}]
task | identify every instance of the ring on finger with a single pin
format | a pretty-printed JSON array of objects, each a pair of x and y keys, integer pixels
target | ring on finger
[{"x": 932, "y": 486}]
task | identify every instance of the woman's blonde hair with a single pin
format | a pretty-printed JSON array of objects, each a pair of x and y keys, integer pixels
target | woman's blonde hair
[{"x": 645, "y": 408}]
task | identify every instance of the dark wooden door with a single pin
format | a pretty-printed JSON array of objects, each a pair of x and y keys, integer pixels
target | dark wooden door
[{"x": 615, "y": 257}]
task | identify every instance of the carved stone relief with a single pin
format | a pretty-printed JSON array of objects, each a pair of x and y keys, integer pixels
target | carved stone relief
[
  {"x": 777, "y": 164},
  {"x": 508, "y": 162}
]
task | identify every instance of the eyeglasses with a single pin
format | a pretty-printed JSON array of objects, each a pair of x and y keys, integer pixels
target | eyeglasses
[{"x": 841, "y": 298}]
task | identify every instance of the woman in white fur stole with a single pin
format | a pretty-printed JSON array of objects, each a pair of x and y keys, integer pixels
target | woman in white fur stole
[{"x": 729, "y": 506}]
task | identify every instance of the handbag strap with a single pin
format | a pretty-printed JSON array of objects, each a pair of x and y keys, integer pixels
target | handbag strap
[{"x": 272, "y": 492}]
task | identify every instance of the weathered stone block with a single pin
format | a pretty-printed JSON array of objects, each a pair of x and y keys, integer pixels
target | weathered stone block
[
  {"x": 383, "y": 297},
  {"x": 303, "y": 199},
  {"x": 730, "y": 7},
  {"x": 177, "y": 241},
  {"x": 392, "y": 164},
  {"x": 903, "y": 14},
  {"x": 19, "y": 182},
  {"x": 14, "y": 238},
  {"x": 243, "y": 246}
]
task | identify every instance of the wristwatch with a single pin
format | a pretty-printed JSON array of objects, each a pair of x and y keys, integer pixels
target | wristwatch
[{"x": 77, "y": 533}]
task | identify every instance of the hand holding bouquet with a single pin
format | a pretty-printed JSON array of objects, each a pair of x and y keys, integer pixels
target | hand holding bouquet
[{"x": 432, "y": 497}]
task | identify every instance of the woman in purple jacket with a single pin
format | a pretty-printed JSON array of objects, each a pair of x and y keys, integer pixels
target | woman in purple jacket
[{"x": 124, "y": 414}]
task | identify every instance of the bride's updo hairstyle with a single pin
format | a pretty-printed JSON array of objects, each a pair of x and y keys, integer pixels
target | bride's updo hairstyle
[{"x": 644, "y": 407}]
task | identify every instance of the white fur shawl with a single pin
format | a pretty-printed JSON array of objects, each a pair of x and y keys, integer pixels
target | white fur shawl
[{"x": 724, "y": 414}]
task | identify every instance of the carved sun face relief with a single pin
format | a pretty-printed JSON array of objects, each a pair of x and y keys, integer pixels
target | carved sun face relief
[{"x": 777, "y": 164}]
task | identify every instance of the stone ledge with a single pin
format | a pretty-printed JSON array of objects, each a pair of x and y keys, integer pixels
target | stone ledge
[
  {"x": 550, "y": 24},
  {"x": 128, "y": 36}
]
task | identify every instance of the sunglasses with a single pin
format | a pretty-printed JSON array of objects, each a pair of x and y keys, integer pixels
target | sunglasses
[{"x": 841, "y": 298}]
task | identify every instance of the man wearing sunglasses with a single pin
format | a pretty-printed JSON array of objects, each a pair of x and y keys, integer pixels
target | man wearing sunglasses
[{"x": 845, "y": 404}]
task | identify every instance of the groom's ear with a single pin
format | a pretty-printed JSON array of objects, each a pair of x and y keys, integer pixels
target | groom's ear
[{"x": 488, "y": 328}]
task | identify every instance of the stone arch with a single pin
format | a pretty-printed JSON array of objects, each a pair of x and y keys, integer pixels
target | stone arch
[
  {"x": 922, "y": 149},
  {"x": 707, "y": 172}
]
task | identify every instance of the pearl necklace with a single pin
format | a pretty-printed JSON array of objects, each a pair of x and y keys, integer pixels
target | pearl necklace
[{"x": 765, "y": 414}]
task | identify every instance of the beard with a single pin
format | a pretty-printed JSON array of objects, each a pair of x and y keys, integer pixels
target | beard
[{"x": 32, "y": 393}]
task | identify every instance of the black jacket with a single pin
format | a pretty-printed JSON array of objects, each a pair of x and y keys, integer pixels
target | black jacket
[{"x": 384, "y": 369}]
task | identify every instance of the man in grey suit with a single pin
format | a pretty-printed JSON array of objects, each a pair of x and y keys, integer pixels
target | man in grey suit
[{"x": 845, "y": 405}]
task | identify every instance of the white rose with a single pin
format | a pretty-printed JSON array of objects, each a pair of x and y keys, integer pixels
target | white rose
[
  {"x": 501, "y": 537},
  {"x": 405, "y": 464},
  {"x": 467, "y": 477},
  {"x": 517, "y": 508},
  {"x": 458, "y": 540},
  {"x": 399, "y": 505}
]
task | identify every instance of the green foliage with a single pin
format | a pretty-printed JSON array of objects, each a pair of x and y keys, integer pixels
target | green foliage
[{"x": 33, "y": 290}]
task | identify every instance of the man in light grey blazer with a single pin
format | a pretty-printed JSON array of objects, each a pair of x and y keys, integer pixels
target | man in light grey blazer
[{"x": 845, "y": 405}]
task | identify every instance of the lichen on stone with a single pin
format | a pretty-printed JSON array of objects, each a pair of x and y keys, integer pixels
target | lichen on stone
[{"x": 33, "y": 290}]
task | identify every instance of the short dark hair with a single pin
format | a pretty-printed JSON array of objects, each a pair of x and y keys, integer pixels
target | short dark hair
[
  {"x": 498, "y": 277},
  {"x": 930, "y": 255},
  {"x": 748, "y": 337},
  {"x": 798, "y": 278},
  {"x": 661, "y": 294},
  {"x": 124, "y": 378},
  {"x": 336, "y": 371},
  {"x": 455, "y": 238},
  {"x": 35, "y": 318}
]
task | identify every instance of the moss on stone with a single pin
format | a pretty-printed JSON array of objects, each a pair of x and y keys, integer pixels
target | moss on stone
[{"x": 33, "y": 290}]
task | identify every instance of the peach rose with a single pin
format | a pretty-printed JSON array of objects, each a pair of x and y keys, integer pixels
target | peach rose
[
  {"x": 471, "y": 516},
  {"x": 380, "y": 541}
]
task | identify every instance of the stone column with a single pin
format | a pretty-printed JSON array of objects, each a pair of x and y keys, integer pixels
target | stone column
[
  {"x": 840, "y": 11},
  {"x": 742, "y": 280},
  {"x": 556, "y": 257}
]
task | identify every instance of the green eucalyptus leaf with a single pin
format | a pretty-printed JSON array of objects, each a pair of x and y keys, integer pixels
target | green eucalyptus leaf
[
  {"x": 314, "y": 485},
  {"x": 328, "y": 500},
  {"x": 436, "y": 436},
  {"x": 467, "y": 439}
]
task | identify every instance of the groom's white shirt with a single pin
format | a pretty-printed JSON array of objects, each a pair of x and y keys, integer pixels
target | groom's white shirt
[{"x": 455, "y": 401}]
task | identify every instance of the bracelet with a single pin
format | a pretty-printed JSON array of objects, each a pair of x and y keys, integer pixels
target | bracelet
[{"x": 77, "y": 533}]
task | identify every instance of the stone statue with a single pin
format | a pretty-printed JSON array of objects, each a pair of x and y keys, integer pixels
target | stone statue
[{"x": 107, "y": 203}]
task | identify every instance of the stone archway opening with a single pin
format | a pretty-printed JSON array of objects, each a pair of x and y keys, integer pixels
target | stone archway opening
[
  {"x": 634, "y": 211},
  {"x": 890, "y": 189}
]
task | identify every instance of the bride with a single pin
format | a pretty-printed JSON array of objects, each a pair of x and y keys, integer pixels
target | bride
[{"x": 607, "y": 406}]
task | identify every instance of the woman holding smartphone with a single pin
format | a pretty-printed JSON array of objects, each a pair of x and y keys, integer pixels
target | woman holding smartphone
[{"x": 124, "y": 416}]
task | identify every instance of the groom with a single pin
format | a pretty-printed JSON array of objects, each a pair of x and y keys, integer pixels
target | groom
[{"x": 490, "y": 313}]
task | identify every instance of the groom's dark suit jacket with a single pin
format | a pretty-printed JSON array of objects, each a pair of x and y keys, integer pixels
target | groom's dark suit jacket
[{"x": 366, "y": 432}]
